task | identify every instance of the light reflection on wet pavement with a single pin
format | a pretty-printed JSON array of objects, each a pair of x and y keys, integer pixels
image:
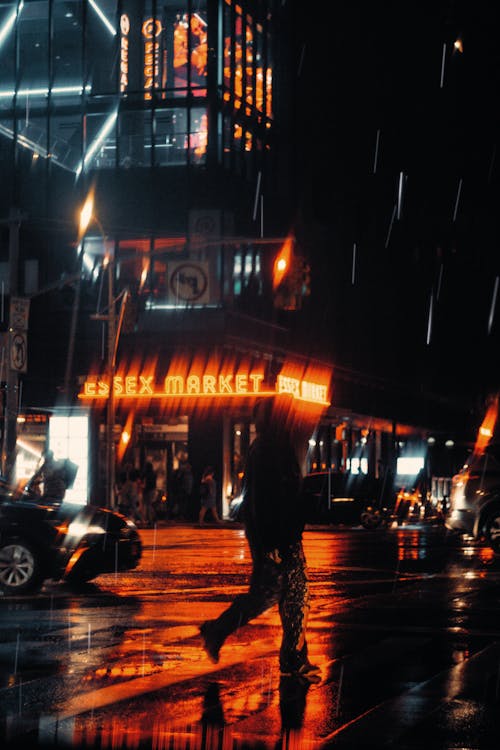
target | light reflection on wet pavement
[{"x": 403, "y": 625}]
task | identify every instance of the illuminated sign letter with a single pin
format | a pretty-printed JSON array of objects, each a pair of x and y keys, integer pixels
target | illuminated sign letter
[
  {"x": 241, "y": 384},
  {"x": 256, "y": 381},
  {"x": 209, "y": 384},
  {"x": 130, "y": 385},
  {"x": 89, "y": 389},
  {"x": 118, "y": 385},
  {"x": 289, "y": 385},
  {"x": 193, "y": 384},
  {"x": 174, "y": 384},
  {"x": 224, "y": 384},
  {"x": 103, "y": 388},
  {"x": 146, "y": 384}
]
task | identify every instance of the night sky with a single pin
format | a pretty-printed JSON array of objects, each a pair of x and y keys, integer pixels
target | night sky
[{"x": 398, "y": 137}]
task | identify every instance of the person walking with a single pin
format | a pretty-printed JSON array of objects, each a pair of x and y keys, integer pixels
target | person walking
[
  {"x": 273, "y": 517},
  {"x": 148, "y": 494},
  {"x": 208, "y": 495},
  {"x": 183, "y": 487},
  {"x": 129, "y": 495}
]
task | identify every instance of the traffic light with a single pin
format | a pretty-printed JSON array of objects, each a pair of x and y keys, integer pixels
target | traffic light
[
  {"x": 293, "y": 275},
  {"x": 306, "y": 278}
]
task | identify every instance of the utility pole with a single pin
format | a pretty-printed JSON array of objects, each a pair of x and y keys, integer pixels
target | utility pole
[
  {"x": 114, "y": 323},
  {"x": 11, "y": 379}
]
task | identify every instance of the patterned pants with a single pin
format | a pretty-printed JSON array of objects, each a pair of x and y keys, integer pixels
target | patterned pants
[{"x": 285, "y": 584}]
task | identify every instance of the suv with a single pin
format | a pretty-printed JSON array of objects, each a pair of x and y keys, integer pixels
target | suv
[
  {"x": 339, "y": 497},
  {"x": 474, "y": 503}
]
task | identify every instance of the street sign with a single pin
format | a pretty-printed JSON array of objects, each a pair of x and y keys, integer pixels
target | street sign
[
  {"x": 19, "y": 313},
  {"x": 19, "y": 351}
]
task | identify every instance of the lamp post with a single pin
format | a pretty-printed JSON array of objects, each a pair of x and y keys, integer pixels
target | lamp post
[
  {"x": 114, "y": 328},
  {"x": 110, "y": 413},
  {"x": 11, "y": 406},
  {"x": 86, "y": 215}
]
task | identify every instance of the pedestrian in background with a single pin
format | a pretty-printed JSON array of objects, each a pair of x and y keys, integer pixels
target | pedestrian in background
[
  {"x": 273, "y": 516},
  {"x": 148, "y": 494},
  {"x": 52, "y": 476},
  {"x": 208, "y": 495},
  {"x": 129, "y": 497},
  {"x": 182, "y": 487}
]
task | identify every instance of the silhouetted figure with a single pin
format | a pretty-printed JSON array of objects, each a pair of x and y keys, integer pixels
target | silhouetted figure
[
  {"x": 274, "y": 521},
  {"x": 148, "y": 493},
  {"x": 208, "y": 495},
  {"x": 183, "y": 482},
  {"x": 52, "y": 476}
]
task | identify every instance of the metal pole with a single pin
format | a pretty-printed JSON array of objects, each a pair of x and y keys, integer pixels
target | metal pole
[
  {"x": 11, "y": 396},
  {"x": 111, "y": 375},
  {"x": 72, "y": 333}
]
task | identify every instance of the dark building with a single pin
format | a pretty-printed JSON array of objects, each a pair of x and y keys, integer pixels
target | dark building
[{"x": 178, "y": 120}]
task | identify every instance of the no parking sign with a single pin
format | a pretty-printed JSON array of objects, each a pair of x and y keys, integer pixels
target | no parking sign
[
  {"x": 18, "y": 339},
  {"x": 19, "y": 351}
]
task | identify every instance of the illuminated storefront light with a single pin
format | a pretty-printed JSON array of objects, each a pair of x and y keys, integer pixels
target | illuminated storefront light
[{"x": 69, "y": 438}]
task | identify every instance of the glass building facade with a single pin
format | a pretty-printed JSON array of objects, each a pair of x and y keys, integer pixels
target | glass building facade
[
  {"x": 165, "y": 108},
  {"x": 104, "y": 83}
]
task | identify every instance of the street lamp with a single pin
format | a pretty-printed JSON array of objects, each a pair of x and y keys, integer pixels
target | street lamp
[{"x": 86, "y": 215}]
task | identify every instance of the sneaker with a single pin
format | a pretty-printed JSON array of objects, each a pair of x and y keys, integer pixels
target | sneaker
[
  {"x": 306, "y": 671},
  {"x": 211, "y": 643}
]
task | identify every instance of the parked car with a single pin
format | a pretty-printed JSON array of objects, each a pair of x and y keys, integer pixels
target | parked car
[
  {"x": 474, "y": 502},
  {"x": 62, "y": 541},
  {"x": 340, "y": 497}
]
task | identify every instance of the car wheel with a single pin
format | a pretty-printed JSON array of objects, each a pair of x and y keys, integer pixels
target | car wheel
[
  {"x": 492, "y": 530},
  {"x": 20, "y": 567},
  {"x": 370, "y": 518}
]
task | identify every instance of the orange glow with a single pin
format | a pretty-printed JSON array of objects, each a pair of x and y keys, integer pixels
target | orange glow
[
  {"x": 199, "y": 52},
  {"x": 282, "y": 262},
  {"x": 86, "y": 214},
  {"x": 199, "y": 140},
  {"x": 180, "y": 44},
  {"x": 487, "y": 426},
  {"x": 458, "y": 44}
]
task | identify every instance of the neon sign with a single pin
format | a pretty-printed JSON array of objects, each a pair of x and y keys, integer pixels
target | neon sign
[
  {"x": 150, "y": 30},
  {"x": 125, "y": 30},
  {"x": 221, "y": 385},
  {"x": 303, "y": 390}
]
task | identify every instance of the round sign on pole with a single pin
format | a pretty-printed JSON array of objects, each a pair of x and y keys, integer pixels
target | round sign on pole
[{"x": 18, "y": 351}]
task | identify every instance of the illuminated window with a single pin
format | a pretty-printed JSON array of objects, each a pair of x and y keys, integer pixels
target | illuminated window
[
  {"x": 409, "y": 465},
  {"x": 69, "y": 438}
]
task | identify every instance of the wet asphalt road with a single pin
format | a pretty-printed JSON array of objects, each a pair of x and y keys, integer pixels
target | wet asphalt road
[{"x": 404, "y": 624}]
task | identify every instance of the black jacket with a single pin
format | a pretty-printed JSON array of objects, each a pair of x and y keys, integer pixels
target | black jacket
[{"x": 272, "y": 511}]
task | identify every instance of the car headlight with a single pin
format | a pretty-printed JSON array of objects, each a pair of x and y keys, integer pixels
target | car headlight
[{"x": 80, "y": 528}]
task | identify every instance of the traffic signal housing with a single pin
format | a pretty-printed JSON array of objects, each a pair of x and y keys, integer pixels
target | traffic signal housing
[{"x": 291, "y": 280}]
